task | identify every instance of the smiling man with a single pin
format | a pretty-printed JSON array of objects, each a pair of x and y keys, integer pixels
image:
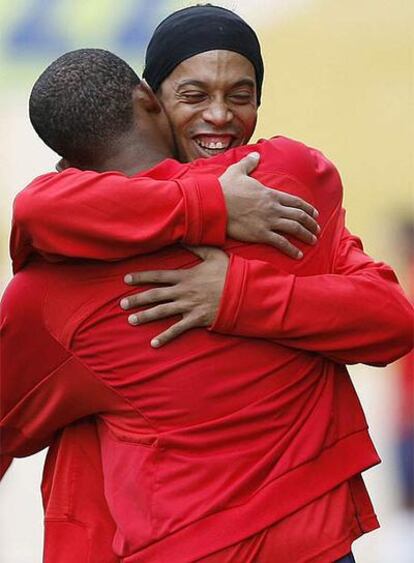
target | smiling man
[
  {"x": 209, "y": 115},
  {"x": 205, "y": 64}
]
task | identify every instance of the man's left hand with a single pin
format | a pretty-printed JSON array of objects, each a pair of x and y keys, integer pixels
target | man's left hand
[{"x": 194, "y": 293}]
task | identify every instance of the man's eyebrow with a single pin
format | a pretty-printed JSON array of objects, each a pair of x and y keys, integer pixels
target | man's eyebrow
[
  {"x": 191, "y": 82},
  {"x": 244, "y": 82},
  {"x": 200, "y": 84}
]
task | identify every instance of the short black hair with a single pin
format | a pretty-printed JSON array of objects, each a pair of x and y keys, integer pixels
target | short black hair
[{"x": 82, "y": 102}]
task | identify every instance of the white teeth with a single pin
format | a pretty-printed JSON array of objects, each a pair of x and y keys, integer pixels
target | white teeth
[{"x": 212, "y": 145}]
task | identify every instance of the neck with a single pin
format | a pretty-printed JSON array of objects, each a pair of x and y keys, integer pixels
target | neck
[{"x": 132, "y": 156}]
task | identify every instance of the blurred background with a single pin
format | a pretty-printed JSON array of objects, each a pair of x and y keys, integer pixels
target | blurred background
[{"x": 339, "y": 76}]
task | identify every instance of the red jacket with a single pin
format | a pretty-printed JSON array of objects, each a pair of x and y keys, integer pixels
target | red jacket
[
  {"x": 110, "y": 217},
  {"x": 211, "y": 453}
]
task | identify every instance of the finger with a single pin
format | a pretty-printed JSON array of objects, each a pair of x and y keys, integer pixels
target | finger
[
  {"x": 157, "y": 276},
  {"x": 282, "y": 244},
  {"x": 174, "y": 331},
  {"x": 299, "y": 216},
  {"x": 247, "y": 164},
  {"x": 149, "y": 297},
  {"x": 297, "y": 230},
  {"x": 156, "y": 313},
  {"x": 294, "y": 201}
]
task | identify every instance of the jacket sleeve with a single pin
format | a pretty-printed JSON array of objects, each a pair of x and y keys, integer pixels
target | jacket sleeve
[
  {"x": 43, "y": 386},
  {"x": 110, "y": 216},
  {"x": 356, "y": 314}
]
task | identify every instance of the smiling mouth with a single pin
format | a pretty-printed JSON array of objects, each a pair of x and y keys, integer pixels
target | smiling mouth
[{"x": 213, "y": 144}]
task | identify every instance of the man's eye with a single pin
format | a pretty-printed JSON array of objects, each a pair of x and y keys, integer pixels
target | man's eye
[
  {"x": 241, "y": 97},
  {"x": 193, "y": 97}
]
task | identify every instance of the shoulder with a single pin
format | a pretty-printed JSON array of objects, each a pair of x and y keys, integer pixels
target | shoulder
[
  {"x": 48, "y": 180},
  {"x": 295, "y": 156},
  {"x": 39, "y": 186},
  {"x": 46, "y": 183},
  {"x": 309, "y": 165},
  {"x": 20, "y": 201}
]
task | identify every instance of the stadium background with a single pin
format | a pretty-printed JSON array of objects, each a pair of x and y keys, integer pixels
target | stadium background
[{"x": 339, "y": 77}]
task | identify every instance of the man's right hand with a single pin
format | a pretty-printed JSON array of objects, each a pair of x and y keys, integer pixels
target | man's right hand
[{"x": 263, "y": 215}]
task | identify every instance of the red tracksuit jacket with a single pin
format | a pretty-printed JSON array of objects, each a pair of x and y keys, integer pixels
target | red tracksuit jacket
[{"x": 212, "y": 432}]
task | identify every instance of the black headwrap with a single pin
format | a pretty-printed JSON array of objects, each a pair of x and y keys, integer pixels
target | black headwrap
[{"x": 195, "y": 30}]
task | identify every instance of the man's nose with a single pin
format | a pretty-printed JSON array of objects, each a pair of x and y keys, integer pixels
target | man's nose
[{"x": 218, "y": 113}]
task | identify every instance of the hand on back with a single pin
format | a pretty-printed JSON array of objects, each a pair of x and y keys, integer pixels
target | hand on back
[{"x": 264, "y": 215}]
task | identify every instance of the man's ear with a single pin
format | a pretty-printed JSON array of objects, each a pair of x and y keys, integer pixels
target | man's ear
[{"x": 145, "y": 98}]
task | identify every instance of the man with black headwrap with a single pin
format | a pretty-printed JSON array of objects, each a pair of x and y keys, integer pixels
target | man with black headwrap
[
  {"x": 205, "y": 65},
  {"x": 219, "y": 113}
]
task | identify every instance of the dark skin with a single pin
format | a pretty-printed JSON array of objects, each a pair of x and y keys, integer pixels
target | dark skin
[
  {"x": 194, "y": 294},
  {"x": 212, "y": 96},
  {"x": 211, "y": 103}
]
